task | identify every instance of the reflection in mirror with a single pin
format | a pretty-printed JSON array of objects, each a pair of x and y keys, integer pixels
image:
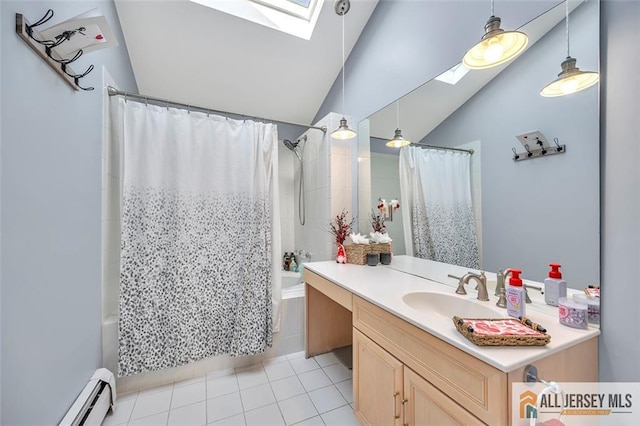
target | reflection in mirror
[{"x": 527, "y": 214}]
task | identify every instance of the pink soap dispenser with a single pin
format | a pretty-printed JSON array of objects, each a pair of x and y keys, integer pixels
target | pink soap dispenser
[{"x": 515, "y": 295}]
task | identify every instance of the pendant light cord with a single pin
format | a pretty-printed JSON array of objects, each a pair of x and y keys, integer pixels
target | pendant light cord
[
  {"x": 566, "y": 2},
  {"x": 492, "y": 8},
  {"x": 343, "y": 64},
  {"x": 397, "y": 114}
]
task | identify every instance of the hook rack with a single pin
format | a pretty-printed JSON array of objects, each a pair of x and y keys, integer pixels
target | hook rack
[
  {"x": 543, "y": 150},
  {"x": 44, "y": 48}
]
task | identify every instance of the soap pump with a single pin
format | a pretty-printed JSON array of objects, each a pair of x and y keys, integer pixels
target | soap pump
[
  {"x": 515, "y": 295},
  {"x": 554, "y": 286}
]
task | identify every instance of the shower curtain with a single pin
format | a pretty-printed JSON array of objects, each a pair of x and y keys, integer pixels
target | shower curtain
[
  {"x": 436, "y": 191},
  {"x": 200, "y": 238}
]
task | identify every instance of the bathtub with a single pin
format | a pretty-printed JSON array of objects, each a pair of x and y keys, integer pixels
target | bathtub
[
  {"x": 289, "y": 339},
  {"x": 292, "y": 285}
]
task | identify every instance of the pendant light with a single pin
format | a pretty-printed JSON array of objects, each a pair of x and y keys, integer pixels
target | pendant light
[
  {"x": 343, "y": 131},
  {"x": 570, "y": 79},
  {"x": 496, "y": 47},
  {"x": 398, "y": 141}
]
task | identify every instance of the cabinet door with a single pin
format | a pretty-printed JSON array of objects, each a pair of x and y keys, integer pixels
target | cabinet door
[
  {"x": 377, "y": 383},
  {"x": 426, "y": 405}
]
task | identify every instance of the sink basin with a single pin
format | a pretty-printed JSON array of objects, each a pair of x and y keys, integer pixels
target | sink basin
[{"x": 449, "y": 305}]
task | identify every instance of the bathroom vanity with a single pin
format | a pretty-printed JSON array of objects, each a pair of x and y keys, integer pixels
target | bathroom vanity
[{"x": 410, "y": 365}]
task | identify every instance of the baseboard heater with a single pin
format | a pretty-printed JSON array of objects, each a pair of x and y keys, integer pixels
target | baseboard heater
[{"x": 93, "y": 403}]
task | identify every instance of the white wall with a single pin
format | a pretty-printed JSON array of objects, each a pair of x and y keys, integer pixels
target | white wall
[
  {"x": 51, "y": 214},
  {"x": 620, "y": 90}
]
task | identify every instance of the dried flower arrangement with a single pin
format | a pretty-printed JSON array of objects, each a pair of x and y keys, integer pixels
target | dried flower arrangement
[
  {"x": 377, "y": 222},
  {"x": 339, "y": 228}
]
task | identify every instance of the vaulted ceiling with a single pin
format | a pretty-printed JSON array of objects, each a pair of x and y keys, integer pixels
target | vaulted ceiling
[{"x": 186, "y": 52}]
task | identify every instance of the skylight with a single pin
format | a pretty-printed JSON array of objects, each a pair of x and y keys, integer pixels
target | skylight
[
  {"x": 295, "y": 17},
  {"x": 453, "y": 75}
]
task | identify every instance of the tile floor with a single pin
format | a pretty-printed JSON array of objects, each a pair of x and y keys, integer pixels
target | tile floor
[{"x": 288, "y": 390}]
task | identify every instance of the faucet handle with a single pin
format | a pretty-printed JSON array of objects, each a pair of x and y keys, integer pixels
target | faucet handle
[{"x": 460, "y": 289}]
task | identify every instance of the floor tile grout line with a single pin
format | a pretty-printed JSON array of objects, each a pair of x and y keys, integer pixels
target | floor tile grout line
[
  {"x": 134, "y": 407},
  {"x": 277, "y": 403},
  {"x": 170, "y": 402},
  {"x": 206, "y": 399},
  {"x": 240, "y": 396}
]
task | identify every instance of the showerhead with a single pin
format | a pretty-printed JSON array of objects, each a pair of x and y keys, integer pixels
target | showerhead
[{"x": 293, "y": 146}]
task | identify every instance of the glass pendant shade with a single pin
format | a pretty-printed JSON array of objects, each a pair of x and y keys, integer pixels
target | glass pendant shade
[
  {"x": 570, "y": 80},
  {"x": 343, "y": 131},
  {"x": 398, "y": 141},
  {"x": 496, "y": 47}
]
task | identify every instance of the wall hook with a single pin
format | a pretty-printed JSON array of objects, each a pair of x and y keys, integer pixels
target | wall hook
[
  {"x": 529, "y": 153},
  {"x": 62, "y": 61},
  {"x": 558, "y": 147},
  {"x": 515, "y": 154},
  {"x": 77, "y": 77},
  {"x": 544, "y": 150}
]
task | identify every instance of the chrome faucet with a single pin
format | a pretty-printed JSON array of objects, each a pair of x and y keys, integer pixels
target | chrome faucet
[
  {"x": 480, "y": 279},
  {"x": 501, "y": 277},
  {"x": 526, "y": 293}
]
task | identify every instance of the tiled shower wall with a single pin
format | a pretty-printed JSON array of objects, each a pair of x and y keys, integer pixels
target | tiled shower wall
[
  {"x": 287, "y": 162},
  {"x": 327, "y": 188}
]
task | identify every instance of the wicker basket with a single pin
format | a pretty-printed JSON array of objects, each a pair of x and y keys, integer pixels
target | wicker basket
[
  {"x": 539, "y": 338},
  {"x": 378, "y": 248},
  {"x": 357, "y": 253}
]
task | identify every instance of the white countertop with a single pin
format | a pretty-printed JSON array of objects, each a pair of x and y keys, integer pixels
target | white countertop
[{"x": 385, "y": 286}]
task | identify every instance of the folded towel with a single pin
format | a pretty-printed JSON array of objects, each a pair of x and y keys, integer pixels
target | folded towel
[
  {"x": 358, "y": 239},
  {"x": 106, "y": 376},
  {"x": 378, "y": 237}
]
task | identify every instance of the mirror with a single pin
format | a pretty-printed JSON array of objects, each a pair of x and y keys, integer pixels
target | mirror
[{"x": 527, "y": 213}]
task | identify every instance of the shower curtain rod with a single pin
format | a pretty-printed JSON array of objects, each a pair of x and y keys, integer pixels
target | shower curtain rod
[
  {"x": 470, "y": 151},
  {"x": 115, "y": 92}
]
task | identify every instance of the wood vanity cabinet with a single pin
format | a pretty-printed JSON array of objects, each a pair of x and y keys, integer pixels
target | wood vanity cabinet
[
  {"x": 387, "y": 392},
  {"x": 433, "y": 382},
  {"x": 403, "y": 375}
]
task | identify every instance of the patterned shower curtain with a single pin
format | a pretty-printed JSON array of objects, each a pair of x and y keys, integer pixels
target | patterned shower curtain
[
  {"x": 436, "y": 191},
  {"x": 200, "y": 236}
]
